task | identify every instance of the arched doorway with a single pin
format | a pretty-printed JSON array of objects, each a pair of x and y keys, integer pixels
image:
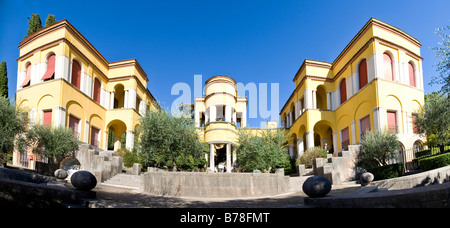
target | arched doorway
[
  {"x": 118, "y": 128},
  {"x": 323, "y": 135}
]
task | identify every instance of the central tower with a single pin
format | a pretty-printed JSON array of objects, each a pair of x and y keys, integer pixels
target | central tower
[{"x": 219, "y": 115}]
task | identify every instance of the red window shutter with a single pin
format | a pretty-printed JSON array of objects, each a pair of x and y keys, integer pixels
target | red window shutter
[
  {"x": 76, "y": 74},
  {"x": 412, "y": 78},
  {"x": 47, "y": 117},
  {"x": 343, "y": 90},
  {"x": 362, "y": 73},
  {"x": 94, "y": 136},
  {"x": 392, "y": 121},
  {"x": 50, "y": 68},
  {"x": 73, "y": 124},
  {"x": 97, "y": 87},
  {"x": 388, "y": 75},
  {"x": 28, "y": 76},
  {"x": 345, "y": 138},
  {"x": 365, "y": 124}
]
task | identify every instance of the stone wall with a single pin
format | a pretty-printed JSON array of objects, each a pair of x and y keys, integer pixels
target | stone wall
[
  {"x": 435, "y": 176},
  {"x": 214, "y": 185}
]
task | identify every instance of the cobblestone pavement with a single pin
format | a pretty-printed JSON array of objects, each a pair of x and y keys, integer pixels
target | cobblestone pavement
[{"x": 123, "y": 197}]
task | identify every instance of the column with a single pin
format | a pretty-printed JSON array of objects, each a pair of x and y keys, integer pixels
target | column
[
  {"x": 379, "y": 118},
  {"x": 228, "y": 113},
  {"x": 308, "y": 99},
  {"x": 129, "y": 140},
  {"x": 299, "y": 147},
  {"x": 60, "y": 116},
  {"x": 335, "y": 142},
  {"x": 125, "y": 99},
  {"x": 111, "y": 100},
  {"x": 211, "y": 157},
  {"x": 132, "y": 97},
  {"x": 314, "y": 99},
  {"x": 329, "y": 100},
  {"x": 105, "y": 140},
  {"x": 229, "y": 158},
  {"x": 212, "y": 113},
  {"x": 309, "y": 139}
]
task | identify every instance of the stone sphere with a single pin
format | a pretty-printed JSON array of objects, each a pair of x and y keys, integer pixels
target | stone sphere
[
  {"x": 61, "y": 174},
  {"x": 316, "y": 186},
  {"x": 366, "y": 178},
  {"x": 83, "y": 180}
]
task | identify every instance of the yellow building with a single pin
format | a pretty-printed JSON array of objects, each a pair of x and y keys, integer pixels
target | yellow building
[
  {"x": 375, "y": 83},
  {"x": 64, "y": 81}
]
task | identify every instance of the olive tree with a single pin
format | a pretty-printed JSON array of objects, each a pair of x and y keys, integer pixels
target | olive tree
[
  {"x": 263, "y": 152},
  {"x": 168, "y": 141},
  {"x": 377, "y": 148},
  {"x": 11, "y": 124}
]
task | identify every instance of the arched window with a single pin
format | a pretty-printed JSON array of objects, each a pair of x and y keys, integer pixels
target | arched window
[
  {"x": 412, "y": 75},
  {"x": 343, "y": 90},
  {"x": 76, "y": 74},
  {"x": 27, "y": 80},
  {"x": 97, "y": 87},
  {"x": 50, "y": 73},
  {"x": 362, "y": 71},
  {"x": 387, "y": 62}
]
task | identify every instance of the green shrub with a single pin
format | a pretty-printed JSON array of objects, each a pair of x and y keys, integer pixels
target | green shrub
[
  {"x": 308, "y": 157},
  {"x": 434, "y": 162},
  {"x": 129, "y": 157},
  {"x": 386, "y": 171},
  {"x": 423, "y": 153}
]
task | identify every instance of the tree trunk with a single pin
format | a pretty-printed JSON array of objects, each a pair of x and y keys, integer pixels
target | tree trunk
[
  {"x": 174, "y": 169},
  {"x": 441, "y": 148}
]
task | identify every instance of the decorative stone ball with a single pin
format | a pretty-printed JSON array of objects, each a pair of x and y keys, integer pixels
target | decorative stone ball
[
  {"x": 366, "y": 178},
  {"x": 61, "y": 174},
  {"x": 316, "y": 186},
  {"x": 83, "y": 180}
]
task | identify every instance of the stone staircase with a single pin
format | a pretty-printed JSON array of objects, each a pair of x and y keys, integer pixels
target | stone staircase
[
  {"x": 124, "y": 181},
  {"x": 103, "y": 164},
  {"x": 338, "y": 169}
]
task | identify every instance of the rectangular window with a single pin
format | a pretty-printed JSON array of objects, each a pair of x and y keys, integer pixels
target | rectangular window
[
  {"x": 345, "y": 139},
  {"x": 74, "y": 125},
  {"x": 94, "y": 136},
  {"x": 364, "y": 125},
  {"x": 47, "y": 117},
  {"x": 392, "y": 121}
]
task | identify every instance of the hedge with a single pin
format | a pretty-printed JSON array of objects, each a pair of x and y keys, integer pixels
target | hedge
[
  {"x": 387, "y": 171},
  {"x": 434, "y": 162}
]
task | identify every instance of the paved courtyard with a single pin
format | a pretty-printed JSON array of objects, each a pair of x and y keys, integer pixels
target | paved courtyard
[{"x": 112, "y": 196}]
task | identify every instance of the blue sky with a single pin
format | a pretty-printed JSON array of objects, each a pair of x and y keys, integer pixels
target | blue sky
[{"x": 251, "y": 41}]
